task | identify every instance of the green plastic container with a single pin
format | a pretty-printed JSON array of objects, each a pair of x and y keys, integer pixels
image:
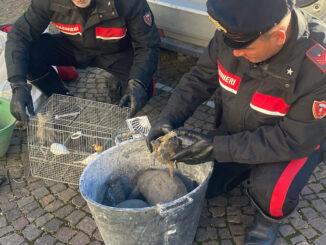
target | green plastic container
[{"x": 7, "y": 123}]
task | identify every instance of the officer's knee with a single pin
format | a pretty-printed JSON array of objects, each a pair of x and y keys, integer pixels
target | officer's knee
[{"x": 265, "y": 200}]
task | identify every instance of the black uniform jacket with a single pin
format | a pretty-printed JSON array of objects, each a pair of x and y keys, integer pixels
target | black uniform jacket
[
  {"x": 270, "y": 109},
  {"x": 111, "y": 28}
]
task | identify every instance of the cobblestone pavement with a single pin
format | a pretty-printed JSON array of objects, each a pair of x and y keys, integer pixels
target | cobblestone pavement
[{"x": 43, "y": 212}]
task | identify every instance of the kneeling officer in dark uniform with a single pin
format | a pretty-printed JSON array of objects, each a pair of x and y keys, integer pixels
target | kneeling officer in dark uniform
[
  {"x": 116, "y": 35},
  {"x": 267, "y": 60}
]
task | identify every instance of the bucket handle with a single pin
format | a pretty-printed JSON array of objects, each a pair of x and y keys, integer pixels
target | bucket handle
[
  {"x": 127, "y": 136},
  {"x": 172, "y": 207}
]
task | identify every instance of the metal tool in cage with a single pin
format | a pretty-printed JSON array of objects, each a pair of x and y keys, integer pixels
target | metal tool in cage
[{"x": 68, "y": 132}]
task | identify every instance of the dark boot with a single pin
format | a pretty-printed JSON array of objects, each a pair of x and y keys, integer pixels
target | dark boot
[
  {"x": 50, "y": 83},
  {"x": 263, "y": 231}
]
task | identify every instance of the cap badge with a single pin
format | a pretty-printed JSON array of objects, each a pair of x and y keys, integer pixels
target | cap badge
[
  {"x": 319, "y": 109},
  {"x": 217, "y": 24}
]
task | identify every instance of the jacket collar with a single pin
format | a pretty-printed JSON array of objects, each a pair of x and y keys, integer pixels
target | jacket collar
[{"x": 287, "y": 63}]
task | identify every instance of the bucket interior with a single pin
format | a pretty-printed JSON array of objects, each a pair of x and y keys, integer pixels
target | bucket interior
[
  {"x": 126, "y": 161},
  {"x": 6, "y": 119}
]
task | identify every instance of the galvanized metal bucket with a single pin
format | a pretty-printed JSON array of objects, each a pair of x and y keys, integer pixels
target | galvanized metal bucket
[{"x": 171, "y": 223}]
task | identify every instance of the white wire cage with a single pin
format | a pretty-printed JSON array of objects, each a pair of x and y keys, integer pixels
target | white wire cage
[{"x": 67, "y": 133}]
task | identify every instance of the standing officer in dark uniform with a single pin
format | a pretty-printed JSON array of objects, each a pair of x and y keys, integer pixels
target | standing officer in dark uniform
[
  {"x": 116, "y": 35},
  {"x": 267, "y": 60}
]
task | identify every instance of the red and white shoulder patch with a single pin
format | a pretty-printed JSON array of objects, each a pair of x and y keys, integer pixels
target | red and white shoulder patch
[
  {"x": 148, "y": 18},
  {"x": 317, "y": 54},
  {"x": 319, "y": 109}
]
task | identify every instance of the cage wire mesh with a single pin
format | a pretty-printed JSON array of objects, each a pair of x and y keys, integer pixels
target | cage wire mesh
[{"x": 68, "y": 132}]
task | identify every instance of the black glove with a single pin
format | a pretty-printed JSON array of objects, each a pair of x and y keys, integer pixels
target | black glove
[
  {"x": 21, "y": 98},
  {"x": 160, "y": 128},
  {"x": 135, "y": 97},
  {"x": 201, "y": 151}
]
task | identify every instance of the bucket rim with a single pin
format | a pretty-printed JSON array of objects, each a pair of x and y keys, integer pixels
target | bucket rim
[
  {"x": 89, "y": 200},
  {"x": 14, "y": 121}
]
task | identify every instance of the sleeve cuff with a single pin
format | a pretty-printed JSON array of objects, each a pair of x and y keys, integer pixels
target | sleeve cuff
[{"x": 221, "y": 149}]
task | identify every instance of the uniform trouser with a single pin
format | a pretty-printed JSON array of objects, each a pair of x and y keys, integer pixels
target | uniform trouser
[
  {"x": 273, "y": 188},
  {"x": 56, "y": 50}
]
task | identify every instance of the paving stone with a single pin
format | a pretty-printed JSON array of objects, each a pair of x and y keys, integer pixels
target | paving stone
[
  {"x": 11, "y": 239},
  {"x": 286, "y": 230},
  {"x": 217, "y": 211},
  {"x": 36, "y": 185},
  {"x": 31, "y": 232},
  {"x": 5, "y": 230},
  {"x": 302, "y": 204},
  {"x": 53, "y": 225},
  {"x": 309, "y": 213},
  {"x": 29, "y": 207},
  {"x": 316, "y": 187},
  {"x": 97, "y": 235},
  {"x": 309, "y": 233},
  {"x": 248, "y": 210},
  {"x": 224, "y": 233},
  {"x": 75, "y": 217},
  {"x": 13, "y": 214},
  {"x": 79, "y": 201},
  {"x": 24, "y": 201},
  {"x": 205, "y": 212},
  {"x": 234, "y": 219},
  {"x": 46, "y": 200},
  {"x": 58, "y": 188},
  {"x": 40, "y": 221},
  {"x": 35, "y": 214},
  {"x": 226, "y": 242},
  {"x": 64, "y": 211},
  {"x": 87, "y": 225},
  {"x": 303, "y": 243},
  {"x": 50, "y": 183},
  {"x": 3, "y": 222},
  {"x": 319, "y": 205},
  {"x": 5, "y": 207},
  {"x": 321, "y": 240},
  {"x": 210, "y": 243},
  {"x": 319, "y": 224},
  {"x": 247, "y": 220},
  {"x": 280, "y": 241},
  {"x": 53, "y": 206},
  {"x": 236, "y": 229},
  {"x": 95, "y": 243},
  {"x": 80, "y": 239},
  {"x": 218, "y": 201},
  {"x": 20, "y": 223},
  {"x": 215, "y": 222},
  {"x": 297, "y": 239},
  {"x": 67, "y": 194},
  {"x": 310, "y": 197},
  {"x": 45, "y": 240},
  {"x": 205, "y": 234},
  {"x": 233, "y": 211},
  {"x": 20, "y": 193},
  {"x": 40, "y": 192},
  {"x": 299, "y": 223},
  {"x": 239, "y": 201},
  {"x": 65, "y": 234}
]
